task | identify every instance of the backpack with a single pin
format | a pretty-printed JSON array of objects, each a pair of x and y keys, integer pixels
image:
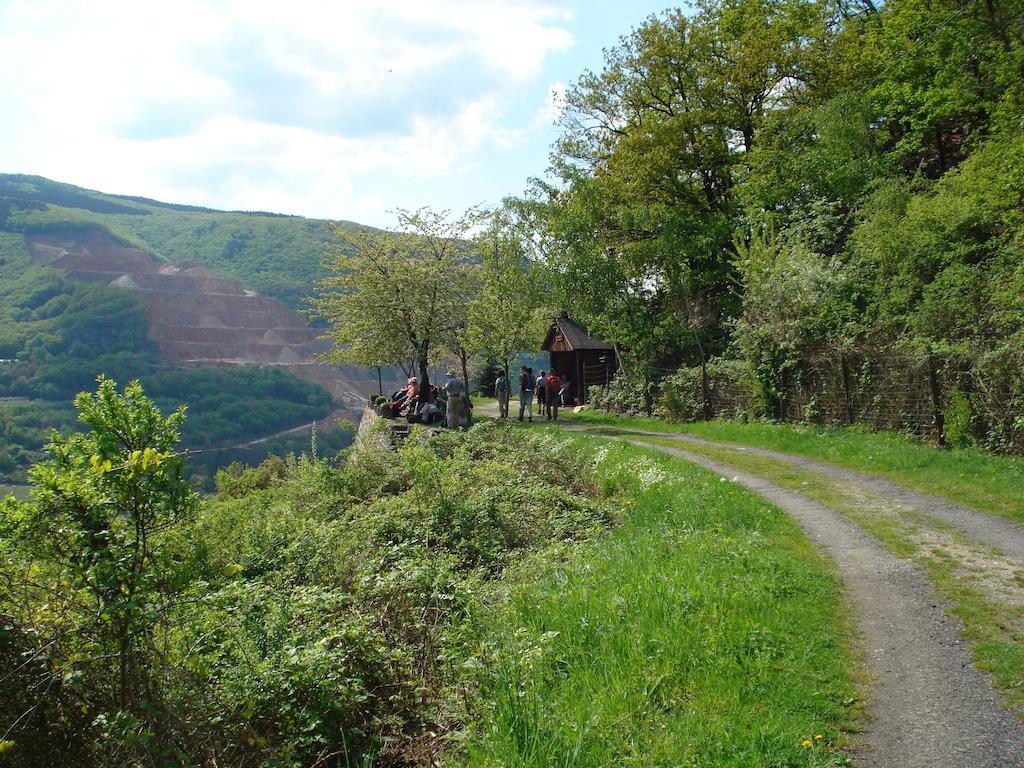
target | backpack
[{"x": 526, "y": 382}]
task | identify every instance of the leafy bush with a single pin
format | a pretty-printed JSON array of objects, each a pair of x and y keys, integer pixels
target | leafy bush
[
  {"x": 625, "y": 394},
  {"x": 316, "y": 612},
  {"x": 731, "y": 391},
  {"x": 958, "y": 419}
]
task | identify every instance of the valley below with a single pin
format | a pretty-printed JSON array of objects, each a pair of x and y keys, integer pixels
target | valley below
[
  {"x": 199, "y": 318},
  {"x": 204, "y": 307}
]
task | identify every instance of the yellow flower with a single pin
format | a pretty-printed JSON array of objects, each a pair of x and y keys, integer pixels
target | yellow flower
[
  {"x": 818, "y": 737},
  {"x": 805, "y": 743}
]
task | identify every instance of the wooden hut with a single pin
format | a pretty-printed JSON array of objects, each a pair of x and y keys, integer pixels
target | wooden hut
[{"x": 587, "y": 361}]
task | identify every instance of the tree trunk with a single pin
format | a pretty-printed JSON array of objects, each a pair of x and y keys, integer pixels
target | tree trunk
[
  {"x": 463, "y": 357},
  {"x": 463, "y": 360},
  {"x": 847, "y": 395},
  {"x": 122, "y": 653},
  {"x": 424, "y": 367},
  {"x": 508, "y": 389}
]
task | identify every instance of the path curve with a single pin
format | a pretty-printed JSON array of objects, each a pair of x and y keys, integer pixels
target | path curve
[
  {"x": 997, "y": 532},
  {"x": 931, "y": 708}
]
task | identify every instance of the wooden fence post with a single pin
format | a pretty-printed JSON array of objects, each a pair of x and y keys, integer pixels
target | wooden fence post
[
  {"x": 937, "y": 415},
  {"x": 845, "y": 368}
]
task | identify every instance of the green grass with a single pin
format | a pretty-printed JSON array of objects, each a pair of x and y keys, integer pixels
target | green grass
[
  {"x": 993, "y": 484},
  {"x": 705, "y": 630},
  {"x": 993, "y": 626}
]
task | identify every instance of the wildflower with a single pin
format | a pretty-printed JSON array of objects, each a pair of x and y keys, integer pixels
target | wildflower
[
  {"x": 805, "y": 743},
  {"x": 818, "y": 737}
]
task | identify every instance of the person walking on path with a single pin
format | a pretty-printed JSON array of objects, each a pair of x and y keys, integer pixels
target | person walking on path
[
  {"x": 542, "y": 394},
  {"x": 501, "y": 392},
  {"x": 553, "y": 387},
  {"x": 526, "y": 385}
]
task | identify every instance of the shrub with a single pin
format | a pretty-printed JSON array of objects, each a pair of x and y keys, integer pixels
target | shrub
[
  {"x": 958, "y": 420},
  {"x": 308, "y": 614},
  {"x": 625, "y": 394},
  {"x": 730, "y": 385}
]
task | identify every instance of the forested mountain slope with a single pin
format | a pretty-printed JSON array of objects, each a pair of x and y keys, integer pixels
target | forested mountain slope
[{"x": 83, "y": 293}]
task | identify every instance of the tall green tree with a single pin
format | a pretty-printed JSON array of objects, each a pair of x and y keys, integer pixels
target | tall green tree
[
  {"x": 396, "y": 295},
  {"x": 506, "y": 316}
]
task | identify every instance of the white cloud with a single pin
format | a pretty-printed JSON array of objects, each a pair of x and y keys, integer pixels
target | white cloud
[{"x": 292, "y": 106}]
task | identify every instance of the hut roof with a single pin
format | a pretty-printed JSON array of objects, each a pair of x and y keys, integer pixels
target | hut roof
[{"x": 575, "y": 335}]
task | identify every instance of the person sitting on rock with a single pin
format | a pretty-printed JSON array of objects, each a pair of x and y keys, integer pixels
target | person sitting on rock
[
  {"x": 407, "y": 398},
  {"x": 433, "y": 410}
]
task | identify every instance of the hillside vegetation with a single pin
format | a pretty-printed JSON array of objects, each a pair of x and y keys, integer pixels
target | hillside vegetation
[
  {"x": 56, "y": 336},
  {"x": 279, "y": 256},
  {"x": 463, "y": 598},
  {"x": 827, "y": 193}
]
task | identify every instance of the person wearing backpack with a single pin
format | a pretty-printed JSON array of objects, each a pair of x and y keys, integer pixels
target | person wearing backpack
[
  {"x": 501, "y": 392},
  {"x": 553, "y": 386},
  {"x": 526, "y": 384},
  {"x": 541, "y": 393}
]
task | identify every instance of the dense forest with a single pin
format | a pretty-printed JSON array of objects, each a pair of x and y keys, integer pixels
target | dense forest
[{"x": 813, "y": 208}]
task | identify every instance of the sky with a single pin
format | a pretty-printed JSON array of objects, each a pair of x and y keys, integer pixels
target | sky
[{"x": 329, "y": 109}]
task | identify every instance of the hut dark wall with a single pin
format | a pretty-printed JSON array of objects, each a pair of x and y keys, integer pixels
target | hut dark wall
[{"x": 587, "y": 361}]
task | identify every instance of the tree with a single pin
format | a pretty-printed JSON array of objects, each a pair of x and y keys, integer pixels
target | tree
[
  {"x": 652, "y": 149},
  {"x": 392, "y": 296},
  {"x": 98, "y": 511},
  {"x": 506, "y": 315}
]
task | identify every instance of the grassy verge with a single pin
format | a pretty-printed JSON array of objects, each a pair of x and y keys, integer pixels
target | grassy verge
[
  {"x": 705, "y": 630},
  {"x": 966, "y": 575},
  {"x": 993, "y": 484}
]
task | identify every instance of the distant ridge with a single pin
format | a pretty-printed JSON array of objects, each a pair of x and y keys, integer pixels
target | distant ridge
[
  {"x": 276, "y": 254},
  {"x": 47, "y": 190}
]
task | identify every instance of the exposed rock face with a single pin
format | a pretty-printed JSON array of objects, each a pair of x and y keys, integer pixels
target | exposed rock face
[{"x": 198, "y": 317}]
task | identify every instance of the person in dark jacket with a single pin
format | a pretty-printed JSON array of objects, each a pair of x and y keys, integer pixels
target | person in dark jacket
[
  {"x": 553, "y": 387},
  {"x": 526, "y": 385}
]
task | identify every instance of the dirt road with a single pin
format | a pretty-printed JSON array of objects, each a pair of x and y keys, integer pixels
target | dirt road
[{"x": 930, "y": 707}]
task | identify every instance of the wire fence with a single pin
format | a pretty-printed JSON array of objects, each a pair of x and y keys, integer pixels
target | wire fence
[
  {"x": 946, "y": 399},
  {"x": 942, "y": 398}
]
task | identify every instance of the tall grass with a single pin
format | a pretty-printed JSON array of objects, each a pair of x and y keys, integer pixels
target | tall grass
[
  {"x": 703, "y": 631},
  {"x": 993, "y": 484}
]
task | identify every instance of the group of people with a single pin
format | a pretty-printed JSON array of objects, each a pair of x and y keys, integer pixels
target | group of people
[
  {"x": 432, "y": 407},
  {"x": 416, "y": 404},
  {"x": 550, "y": 389}
]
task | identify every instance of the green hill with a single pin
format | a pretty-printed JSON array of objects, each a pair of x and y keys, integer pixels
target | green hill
[
  {"x": 57, "y": 334},
  {"x": 277, "y": 255}
]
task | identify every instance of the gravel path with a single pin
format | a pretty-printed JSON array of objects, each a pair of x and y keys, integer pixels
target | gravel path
[
  {"x": 931, "y": 708},
  {"x": 997, "y": 532}
]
